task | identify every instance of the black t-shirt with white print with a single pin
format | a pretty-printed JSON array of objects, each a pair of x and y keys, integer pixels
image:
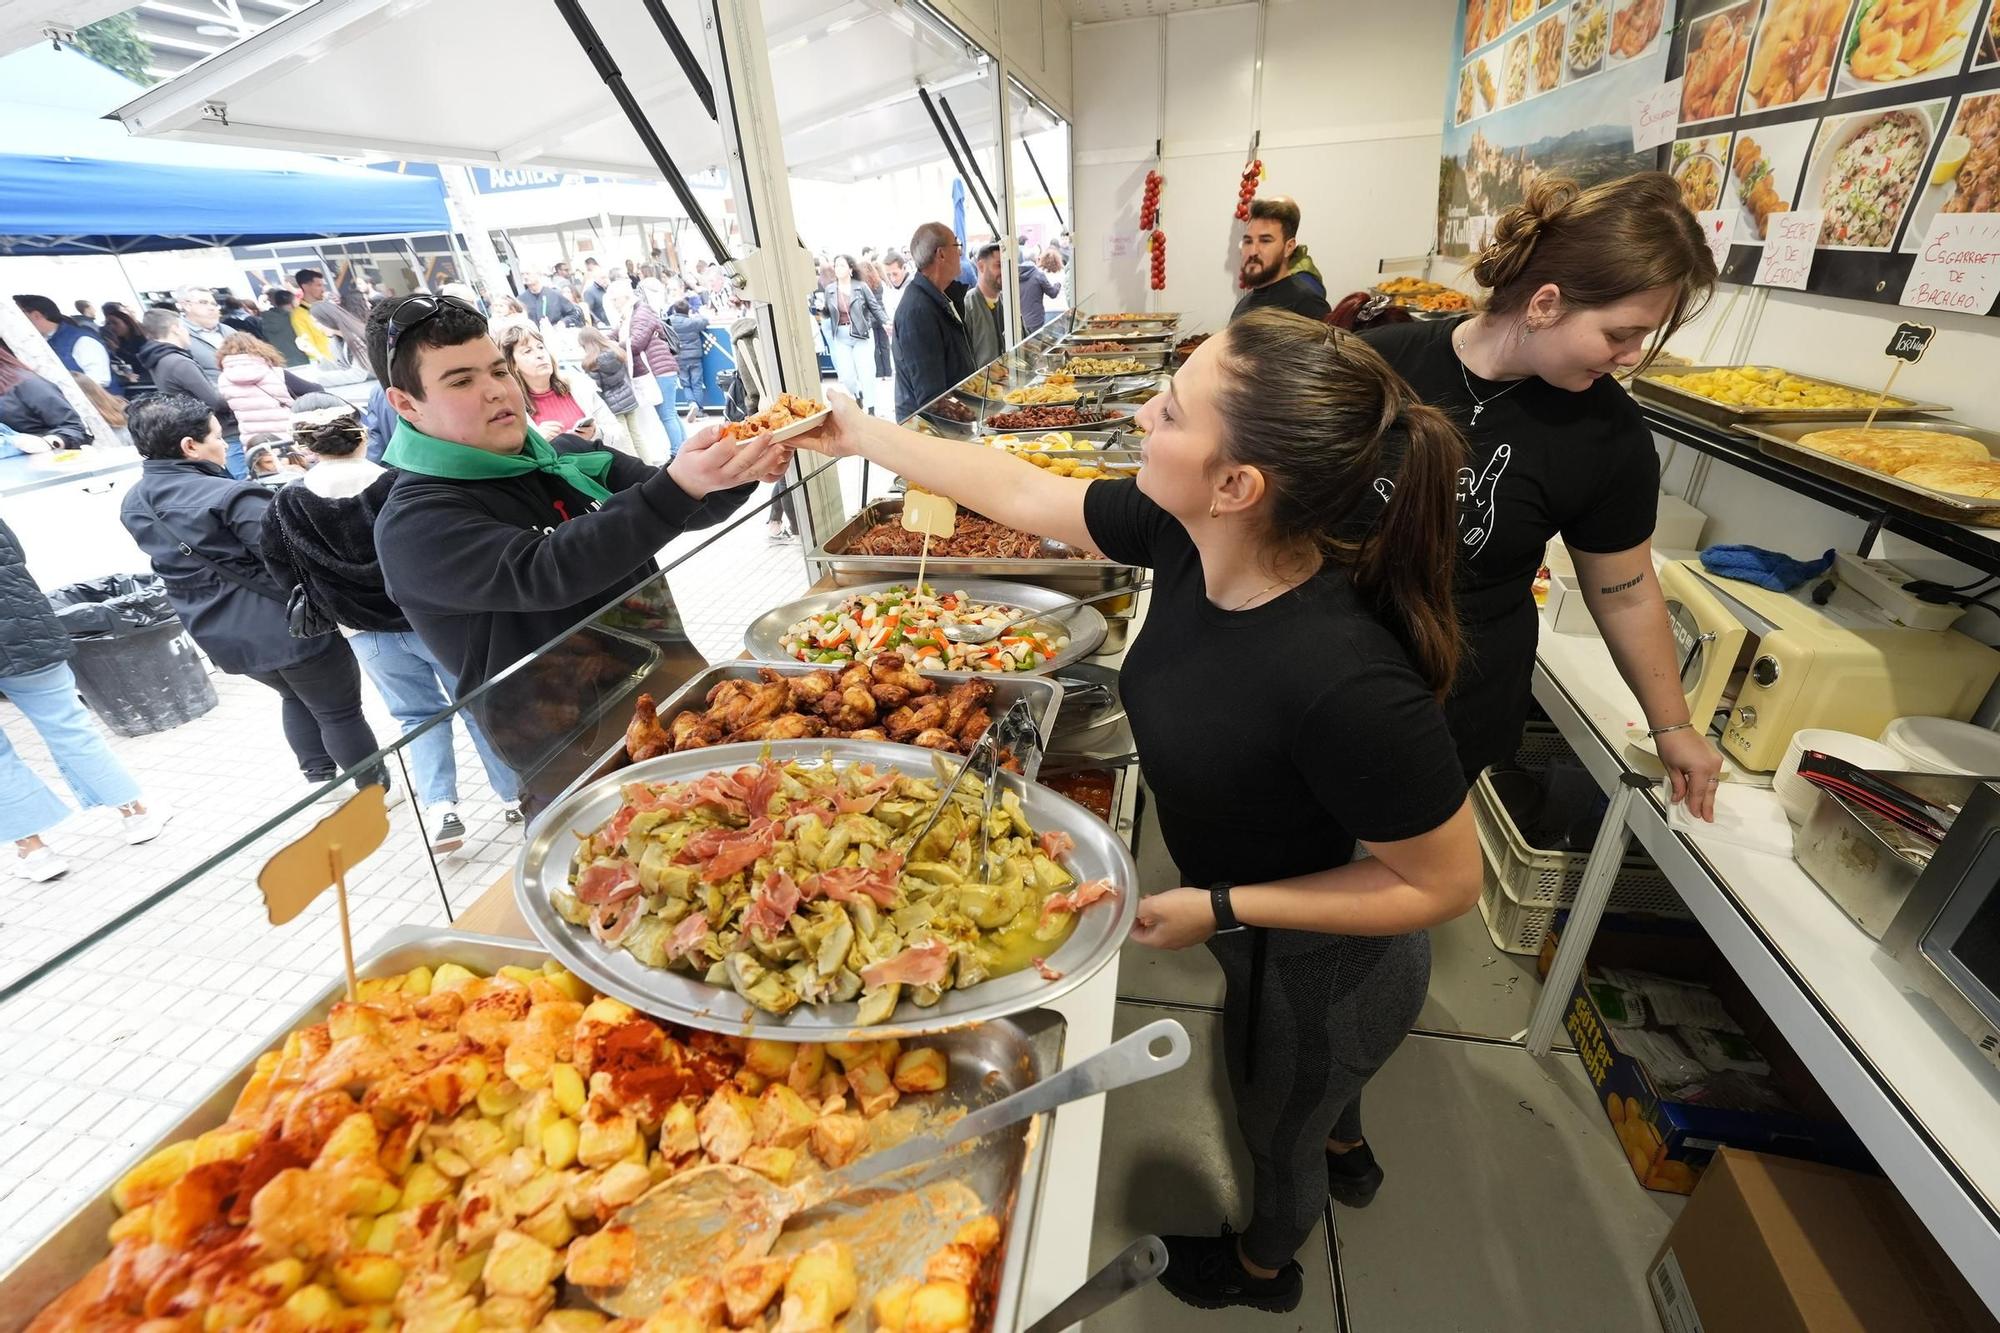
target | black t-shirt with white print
[{"x": 1545, "y": 461}]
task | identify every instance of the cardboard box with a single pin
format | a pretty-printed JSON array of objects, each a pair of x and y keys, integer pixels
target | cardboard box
[
  {"x": 1667, "y": 1143},
  {"x": 1770, "y": 1245}
]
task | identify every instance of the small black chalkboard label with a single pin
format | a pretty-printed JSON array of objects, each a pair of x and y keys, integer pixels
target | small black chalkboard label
[{"x": 1910, "y": 342}]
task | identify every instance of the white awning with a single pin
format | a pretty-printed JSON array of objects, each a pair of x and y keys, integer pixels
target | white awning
[{"x": 504, "y": 83}]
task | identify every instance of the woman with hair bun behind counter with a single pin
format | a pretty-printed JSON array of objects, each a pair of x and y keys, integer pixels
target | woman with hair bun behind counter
[{"x": 1583, "y": 285}]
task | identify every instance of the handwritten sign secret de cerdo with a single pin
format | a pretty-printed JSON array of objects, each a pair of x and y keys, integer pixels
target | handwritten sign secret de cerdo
[
  {"x": 1789, "y": 245},
  {"x": 1958, "y": 264}
]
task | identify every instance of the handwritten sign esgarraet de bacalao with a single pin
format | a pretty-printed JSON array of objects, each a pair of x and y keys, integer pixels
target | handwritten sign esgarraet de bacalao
[{"x": 1958, "y": 264}]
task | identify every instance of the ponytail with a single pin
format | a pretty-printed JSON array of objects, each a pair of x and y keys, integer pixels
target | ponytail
[
  {"x": 1406, "y": 563},
  {"x": 1322, "y": 416}
]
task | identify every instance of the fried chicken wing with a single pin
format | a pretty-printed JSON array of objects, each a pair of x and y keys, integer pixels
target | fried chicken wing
[
  {"x": 787, "y": 727},
  {"x": 853, "y": 709},
  {"x": 645, "y": 738},
  {"x": 893, "y": 669},
  {"x": 693, "y": 731},
  {"x": 868, "y": 734},
  {"x": 755, "y": 703},
  {"x": 961, "y": 701},
  {"x": 809, "y": 689},
  {"x": 934, "y": 739},
  {"x": 972, "y": 726},
  {"x": 911, "y": 719}
]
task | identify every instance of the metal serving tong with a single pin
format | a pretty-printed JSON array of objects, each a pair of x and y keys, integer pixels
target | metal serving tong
[{"x": 1016, "y": 730}]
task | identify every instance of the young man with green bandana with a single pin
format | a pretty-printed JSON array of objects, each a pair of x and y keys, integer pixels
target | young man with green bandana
[{"x": 494, "y": 540}]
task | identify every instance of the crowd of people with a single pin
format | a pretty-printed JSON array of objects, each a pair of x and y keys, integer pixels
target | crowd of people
[
  {"x": 859, "y": 296},
  {"x": 259, "y": 490}
]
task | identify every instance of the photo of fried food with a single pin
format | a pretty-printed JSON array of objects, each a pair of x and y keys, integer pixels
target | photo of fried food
[
  {"x": 1464, "y": 95},
  {"x": 1635, "y": 27},
  {"x": 1475, "y": 14},
  {"x": 1756, "y": 184},
  {"x": 1487, "y": 92},
  {"x": 1795, "y": 51},
  {"x": 1700, "y": 179},
  {"x": 1548, "y": 54},
  {"x": 1522, "y": 9},
  {"x": 1718, "y": 50},
  {"x": 1496, "y": 20},
  {"x": 1979, "y": 176},
  {"x": 1900, "y": 39},
  {"x": 1514, "y": 86},
  {"x": 1588, "y": 31},
  {"x": 1989, "y": 43}
]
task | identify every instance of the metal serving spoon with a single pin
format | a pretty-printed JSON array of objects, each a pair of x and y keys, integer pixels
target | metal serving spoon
[
  {"x": 988, "y": 633},
  {"x": 703, "y": 1219}
]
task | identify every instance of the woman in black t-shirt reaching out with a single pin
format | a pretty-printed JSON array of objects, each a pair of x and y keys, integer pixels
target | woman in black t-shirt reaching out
[
  {"x": 1283, "y": 692},
  {"x": 1585, "y": 285}
]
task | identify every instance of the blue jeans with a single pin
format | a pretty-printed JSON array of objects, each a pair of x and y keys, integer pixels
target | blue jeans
[
  {"x": 416, "y": 687},
  {"x": 27, "y": 806},
  {"x": 233, "y": 459},
  {"x": 669, "y": 417}
]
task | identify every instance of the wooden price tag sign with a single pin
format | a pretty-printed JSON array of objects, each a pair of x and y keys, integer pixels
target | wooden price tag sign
[
  {"x": 933, "y": 516},
  {"x": 1906, "y": 347},
  {"x": 320, "y": 858}
]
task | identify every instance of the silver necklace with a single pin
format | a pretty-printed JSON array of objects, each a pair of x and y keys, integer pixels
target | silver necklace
[
  {"x": 1478, "y": 403},
  {"x": 1254, "y": 596}
]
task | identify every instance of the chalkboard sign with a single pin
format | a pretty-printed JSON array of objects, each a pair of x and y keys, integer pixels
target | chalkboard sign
[{"x": 1910, "y": 342}]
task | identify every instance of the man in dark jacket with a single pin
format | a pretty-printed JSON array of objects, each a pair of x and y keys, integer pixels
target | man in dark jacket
[
  {"x": 593, "y": 293},
  {"x": 932, "y": 351},
  {"x": 544, "y": 302},
  {"x": 277, "y": 327},
  {"x": 495, "y": 541},
  {"x": 35, "y": 676},
  {"x": 79, "y": 346},
  {"x": 1269, "y": 239},
  {"x": 203, "y": 532},
  {"x": 165, "y": 357},
  {"x": 690, "y": 346}
]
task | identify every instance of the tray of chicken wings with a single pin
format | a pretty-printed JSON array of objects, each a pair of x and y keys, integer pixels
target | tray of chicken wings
[{"x": 882, "y": 700}]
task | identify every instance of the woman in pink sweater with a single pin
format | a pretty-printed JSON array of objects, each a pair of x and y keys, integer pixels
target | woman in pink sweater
[{"x": 253, "y": 384}]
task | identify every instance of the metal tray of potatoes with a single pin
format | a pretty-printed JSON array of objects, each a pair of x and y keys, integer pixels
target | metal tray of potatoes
[
  {"x": 891, "y": 1237},
  {"x": 1781, "y": 440},
  {"x": 1648, "y": 388}
]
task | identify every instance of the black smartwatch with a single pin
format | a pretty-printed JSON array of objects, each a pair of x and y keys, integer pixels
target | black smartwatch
[{"x": 1225, "y": 915}]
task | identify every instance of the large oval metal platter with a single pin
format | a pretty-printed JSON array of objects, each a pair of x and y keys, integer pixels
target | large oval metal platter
[
  {"x": 1086, "y": 624},
  {"x": 681, "y": 997}
]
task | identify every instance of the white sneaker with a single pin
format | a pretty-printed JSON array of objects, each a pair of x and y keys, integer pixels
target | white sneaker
[
  {"x": 146, "y": 826},
  {"x": 333, "y": 795},
  {"x": 444, "y": 828},
  {"x": 40, "y": 865}
]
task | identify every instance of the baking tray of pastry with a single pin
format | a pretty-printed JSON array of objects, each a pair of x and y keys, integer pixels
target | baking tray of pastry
[
  {"x": 1782, "y": 440},
  {"x": 1003, "y": 1171},
  {"x": 1649, "y": 388}
]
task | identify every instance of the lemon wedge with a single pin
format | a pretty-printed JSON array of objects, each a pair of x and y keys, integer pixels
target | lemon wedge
[{"x": 1951, "y": 156}]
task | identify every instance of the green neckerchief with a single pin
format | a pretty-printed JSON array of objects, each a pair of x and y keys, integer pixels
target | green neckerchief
[{"x": 410, "y": 450}]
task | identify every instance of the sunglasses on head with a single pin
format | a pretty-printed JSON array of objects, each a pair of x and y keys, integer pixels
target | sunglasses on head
[{"x": 414, "y": 310}]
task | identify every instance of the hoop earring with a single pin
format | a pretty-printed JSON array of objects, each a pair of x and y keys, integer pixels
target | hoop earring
[{"x": 1211, "y": 509}]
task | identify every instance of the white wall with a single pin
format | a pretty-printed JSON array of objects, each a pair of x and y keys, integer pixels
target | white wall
[{"x": 1353, "y": 101}]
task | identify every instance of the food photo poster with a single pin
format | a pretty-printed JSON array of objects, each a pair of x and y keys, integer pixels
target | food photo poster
[{"x": 1881, "y": 115}]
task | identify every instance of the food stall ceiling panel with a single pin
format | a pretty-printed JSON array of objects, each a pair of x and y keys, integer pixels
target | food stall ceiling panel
[
  {"x": 22, "y": 21},
  {"x": 1109, "y": 11},
  {"x": 830, "y": 59}
]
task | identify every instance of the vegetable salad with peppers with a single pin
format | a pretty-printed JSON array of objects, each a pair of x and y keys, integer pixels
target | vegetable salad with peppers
[{"x": 911, "y": 622}]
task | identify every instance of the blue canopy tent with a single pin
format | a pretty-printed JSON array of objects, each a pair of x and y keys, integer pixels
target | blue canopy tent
[{"x": 75, "y": 183}]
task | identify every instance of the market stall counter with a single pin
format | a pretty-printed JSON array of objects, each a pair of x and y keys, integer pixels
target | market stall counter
[{"x": 1916, "y": 1091}]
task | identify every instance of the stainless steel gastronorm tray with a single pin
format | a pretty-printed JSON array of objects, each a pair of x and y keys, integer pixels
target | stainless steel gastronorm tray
[
  {"x": 1781, "y": 440},
  {"x": 1044, "y": 694},
  {"x": 1004, "y": 1170},
  {"x": 1052, "y": 569},
  {"x": 1648, "y": 388},
  {"x": 680, "y": 997},
  {"x": 1086, "y": 626}
]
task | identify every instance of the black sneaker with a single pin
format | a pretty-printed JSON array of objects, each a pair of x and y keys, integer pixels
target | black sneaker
[
  {"x": 1203, "y": 1271},
  {"x": 1352, "y": 1177}
]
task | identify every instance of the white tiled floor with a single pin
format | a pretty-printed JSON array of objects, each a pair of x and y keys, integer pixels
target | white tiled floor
[{"x": 101, "y": 1055}]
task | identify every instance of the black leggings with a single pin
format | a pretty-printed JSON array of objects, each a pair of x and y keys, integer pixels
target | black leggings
[
  {"x": 322, "y": 713},
  {"x": 1303, "y": 1029}
]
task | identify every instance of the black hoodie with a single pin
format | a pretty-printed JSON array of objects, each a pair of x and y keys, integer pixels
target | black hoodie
[
  {"x": 327, "y": 547},
  {"x": 174, "y": 370},
  {"x": 488, "y": 571}
]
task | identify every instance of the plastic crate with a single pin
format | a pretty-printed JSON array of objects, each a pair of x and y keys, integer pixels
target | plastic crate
[{"x": 1525, "y": 886}]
